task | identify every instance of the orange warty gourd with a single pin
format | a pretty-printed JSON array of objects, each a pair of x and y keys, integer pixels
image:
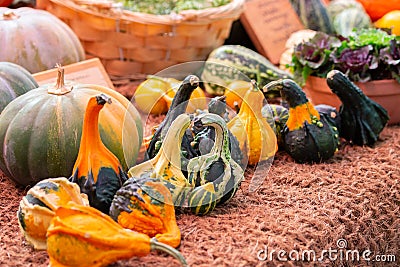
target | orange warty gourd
[
  {"x": 144, "y": 204},
  {"x": 85, "y": 237}
]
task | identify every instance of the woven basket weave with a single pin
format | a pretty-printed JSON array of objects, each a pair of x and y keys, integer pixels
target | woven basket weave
[{"x": 130, "y": 43}]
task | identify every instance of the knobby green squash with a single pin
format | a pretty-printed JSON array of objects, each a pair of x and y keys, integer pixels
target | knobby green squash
[
  {"x": 37, "y": 40},
  {"x": 308, "y": 136},
  {"x": 229, "y": 63},
  {"x": 215, "y": 176},
  {"x": 14, "y": 81},
  {"x": 40, "y": 131},
  {"x": 276, "y": 116}
]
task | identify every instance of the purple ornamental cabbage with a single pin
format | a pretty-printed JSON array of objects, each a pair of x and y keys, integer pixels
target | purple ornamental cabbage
[
  {"x": 315, "y": 52},
  {"x": 356, "y": 63}
]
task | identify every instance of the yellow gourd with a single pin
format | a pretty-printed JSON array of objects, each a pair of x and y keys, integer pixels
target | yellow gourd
[
  {"x": 256, "y": 137},
  {"x": 155, "y": 95},
  {"x": 390, "y": 20}
]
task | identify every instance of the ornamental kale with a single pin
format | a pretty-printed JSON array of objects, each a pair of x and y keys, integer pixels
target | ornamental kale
[{"x": 365, "y": 55}]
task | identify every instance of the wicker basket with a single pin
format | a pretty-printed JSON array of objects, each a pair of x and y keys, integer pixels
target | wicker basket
[{"x": 131, "y": 43}]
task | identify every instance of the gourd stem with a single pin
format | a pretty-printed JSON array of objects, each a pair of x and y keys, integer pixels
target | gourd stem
[
  {"x": 155, "y": 245},
  {"x": 59, "y": 88},
  {"x": 254, "y": 86}
]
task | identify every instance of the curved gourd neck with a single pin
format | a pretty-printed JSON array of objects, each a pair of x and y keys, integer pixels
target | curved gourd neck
[{"x": 174, "y": 136}]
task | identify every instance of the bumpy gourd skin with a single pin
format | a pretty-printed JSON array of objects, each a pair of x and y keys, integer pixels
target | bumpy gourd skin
[
  {"x": 215, "y": 176},
  {"x": 85, "y": 237},
  {"x": 308, "y": 135},
  {"x": 38, "y": 206},
  {"x": 143, "y": 204},
  {"x": 361, "y": 119},
  {"x": 204, "y": 137},
  {"x": 97, "y": 170},
  {"x": 166, "y": 164}
]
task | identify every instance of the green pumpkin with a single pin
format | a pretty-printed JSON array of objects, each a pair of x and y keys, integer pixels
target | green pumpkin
[
  {"x": 14, "y": 81},
  {"x": 37, "y": 40},
  {"x": 40, "y": 132}
]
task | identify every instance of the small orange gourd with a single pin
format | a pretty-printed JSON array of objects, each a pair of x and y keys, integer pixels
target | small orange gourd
[
  {"x": 145, "y": 205},
  {"x": 85, "y": 237},
  {"x": 37, "y": 207}
]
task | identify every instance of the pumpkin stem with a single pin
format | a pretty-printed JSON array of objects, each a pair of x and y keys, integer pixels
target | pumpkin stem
[
  {"x": 60, "y": 88},
  {"x": 9, "y": 15},
  {"x": 155, "y": 245}
]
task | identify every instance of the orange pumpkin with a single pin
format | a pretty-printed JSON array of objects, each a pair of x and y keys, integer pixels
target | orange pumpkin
[
  {"x": 37, "y": 40},
  {"x": 377, "y": 8}
]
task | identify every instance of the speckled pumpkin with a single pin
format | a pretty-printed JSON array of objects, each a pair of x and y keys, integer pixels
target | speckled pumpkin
[
  {"x": 40, "y": 131},
  {"x": 14, "y": 81},
  {"x": 37, "y": 40}
]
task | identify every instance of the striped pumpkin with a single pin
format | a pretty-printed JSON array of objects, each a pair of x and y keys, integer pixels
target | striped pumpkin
[
  {"x": 37, "y": 40},
  {"x": 40, "y": 131},
  {"x": 349, "y": 19},
  {"x": 14, "y": 81},
  {"x": 313, "y": 14}
]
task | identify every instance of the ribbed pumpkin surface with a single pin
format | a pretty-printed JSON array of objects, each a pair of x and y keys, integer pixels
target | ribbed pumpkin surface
[
  {"x": 40, "y": 132},
  {"x": 37, "y": 40},
  {"x": 14, "y": 81}
]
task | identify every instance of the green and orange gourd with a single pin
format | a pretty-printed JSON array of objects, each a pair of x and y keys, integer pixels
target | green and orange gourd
[
  {"x": 308, "y": 136},
  {"x": 97, "y": 170}
]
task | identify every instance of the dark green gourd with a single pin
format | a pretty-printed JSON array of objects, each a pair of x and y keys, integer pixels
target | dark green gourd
[
  {"x": 178, "y": 106},
  {"x": 362, "y": 119},
  {"x": 307, "y": 135},
  {"x": 204, "y": 137},
  {"x": 215, "y": 176}
]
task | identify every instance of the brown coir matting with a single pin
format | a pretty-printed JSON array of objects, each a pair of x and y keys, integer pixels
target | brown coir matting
[{"x": 354, "y": 196}]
